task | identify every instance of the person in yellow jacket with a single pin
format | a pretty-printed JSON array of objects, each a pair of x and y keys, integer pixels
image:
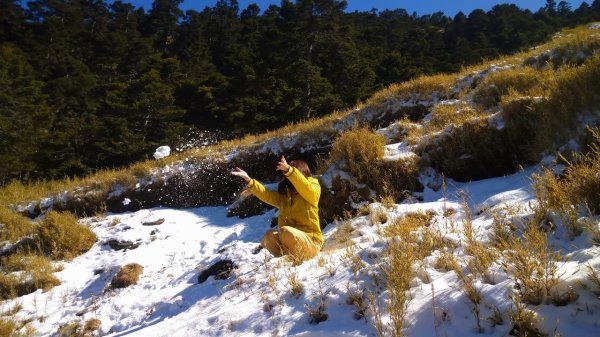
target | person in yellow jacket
[{"x": 297, "y": 197}]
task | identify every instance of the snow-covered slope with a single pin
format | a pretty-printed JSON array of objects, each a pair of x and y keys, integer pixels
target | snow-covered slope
[{"x": 258, "y": 298}]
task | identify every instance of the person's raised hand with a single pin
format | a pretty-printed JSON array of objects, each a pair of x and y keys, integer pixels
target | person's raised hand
[
  {"x": 282, "y": 165},
  {"x": 240, "y": 173}
]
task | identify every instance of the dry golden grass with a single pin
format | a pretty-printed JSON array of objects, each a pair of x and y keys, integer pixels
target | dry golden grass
[
  {"x": 572, "y": 92},
  {"x": 405, "y": 247},
  {"x": 502, "y": 232},
  {"x": 532, "y": 265},
  {"x": 446, "y": 261},
  {"x": 407, "y": 223},
  {"x": 71, "y": 329},
  {"x": 296, "y": 286},
  {"x": 578, "y": 190},
  {"x": 359, "y": 148},
  {"x": 92, "y": 325},
  {"x": 378, "y": 216},
  {"x": 594, "y": 277},
  {"x": 444, "y": 115},
  {"x": 525, "y": 321},
  {"x": 13, "y": 226},
  {"x": 360, "y": 151},
  {"x": 400, "y": 272},
  {"x": 526, "y": 81},
  {"x": 354, "y": 261},
  {"x": 62, "y": 237},
  {"x": 128, "y": 275},
  {"x": 356, "y": 297},
  {"x": 25, "y": 273},
  {"x": 482, "y": 256},
  {"x": 7, "y": 326},
  {"x": 419, "y": 88}
]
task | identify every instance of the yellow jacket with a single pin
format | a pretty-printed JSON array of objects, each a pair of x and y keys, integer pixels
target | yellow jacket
[{"x": 299, "y": 210}]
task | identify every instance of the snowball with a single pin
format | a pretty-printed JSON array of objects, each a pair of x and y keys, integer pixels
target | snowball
[
  {"x": 162, "y": 151},
  {"x": 126, "y": 201}
]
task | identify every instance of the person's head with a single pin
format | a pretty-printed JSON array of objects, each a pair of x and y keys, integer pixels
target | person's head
[{"x": 285, "y": 185}]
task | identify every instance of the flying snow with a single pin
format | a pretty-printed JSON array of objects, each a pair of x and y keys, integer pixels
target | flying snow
[{"x": 162, "y": 152}]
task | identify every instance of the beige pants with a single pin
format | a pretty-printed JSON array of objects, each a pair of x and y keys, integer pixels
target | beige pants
[{"x": 292, "y": 241}]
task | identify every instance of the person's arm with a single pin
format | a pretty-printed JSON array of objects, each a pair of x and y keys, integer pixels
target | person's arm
[
  {"x": 309, "y": 189},
  {"x": 272, "y": 198}
]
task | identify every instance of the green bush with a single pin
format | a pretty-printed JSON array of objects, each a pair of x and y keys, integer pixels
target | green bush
[{"x": 62, "y": 237}]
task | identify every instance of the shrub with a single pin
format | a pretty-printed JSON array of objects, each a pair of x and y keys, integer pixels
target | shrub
[
  {"x": 526, "y": 81},
  {"x": 525, "y": 321},
  {"x": 573, "y": 92},
  {"x": 521, "y": 117},
  {"x": 578, "y": 190},
  {"x": 9, "y": 286},
  {"x": 62, "y": 237},
  {"x": 473, "y": 151},
  {"x": 359, "y": 148},
  {"x": 92, "y": 325},
  {"x": 25, "y": 274},
  {"x": 444, "y": 115},
  {"x": 399, "y": 274},
  {"x": 396, "y": 179},
  {"x": 402, "y": 226},
  {"x": 13, "y": 226},
  {"x": 296, "y": 286},
  {"x": 534, "y": 268},
  {"x": 7, "y": 326},
  {"x": 128, "y": 275}
]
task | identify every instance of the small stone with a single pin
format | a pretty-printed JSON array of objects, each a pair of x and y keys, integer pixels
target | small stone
[
  {"x": 154, "y": 223},
  {"x": 122, "y": 245}
]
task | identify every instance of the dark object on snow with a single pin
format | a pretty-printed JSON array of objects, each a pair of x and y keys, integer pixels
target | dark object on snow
[
  {"x": 257, "y": 249},
  {"x": 121, "y": 245},
  {"x": 154, "y": 223},
  {"x": 219, "y": 270}
]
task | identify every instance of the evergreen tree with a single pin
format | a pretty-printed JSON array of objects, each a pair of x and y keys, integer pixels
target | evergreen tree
[{"x": 24, "y": 116}]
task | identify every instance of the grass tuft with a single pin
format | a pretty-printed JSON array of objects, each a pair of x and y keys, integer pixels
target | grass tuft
[
  {"x": 62, "y": 237},
  {"x": 24, "y": 274},
  {"x": 128, "y": 275}
]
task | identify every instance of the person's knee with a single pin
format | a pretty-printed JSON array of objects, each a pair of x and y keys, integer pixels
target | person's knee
[{"x": 271, "y": 241}]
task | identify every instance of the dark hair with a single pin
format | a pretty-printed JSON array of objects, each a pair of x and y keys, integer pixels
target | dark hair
[
  {"x": 302, "y": 166},
  {"x": 285, "y": 185}
]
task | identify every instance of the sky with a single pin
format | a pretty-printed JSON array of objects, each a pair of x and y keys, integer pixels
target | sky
[{"x": 422, "y": 7}]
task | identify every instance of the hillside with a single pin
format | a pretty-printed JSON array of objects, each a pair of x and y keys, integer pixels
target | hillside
[{"x": 453, "y": 205}]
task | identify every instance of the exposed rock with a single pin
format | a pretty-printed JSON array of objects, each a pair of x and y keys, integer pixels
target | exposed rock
[
  {"x": 154, "y": 223},
  {"x": 122, "y": 245},
  {"x": 219, "y": 270}
]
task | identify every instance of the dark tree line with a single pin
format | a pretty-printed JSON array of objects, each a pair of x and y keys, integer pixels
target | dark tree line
[{"x": 86, "y": 84}]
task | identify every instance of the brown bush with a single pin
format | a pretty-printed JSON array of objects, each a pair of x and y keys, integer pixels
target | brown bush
[
  {"x": 13, "y": 226},
  {"x": 128, "y": 275},
  {"x": 62, "y": 237},
  {"x": 35, "y": 272}
]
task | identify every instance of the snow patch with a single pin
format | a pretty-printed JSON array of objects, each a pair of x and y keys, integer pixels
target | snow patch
[{"x": 162, "y": 152}]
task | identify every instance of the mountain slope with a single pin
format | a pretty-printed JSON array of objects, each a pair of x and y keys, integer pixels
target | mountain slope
[{"x": 449, "y": 220}]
